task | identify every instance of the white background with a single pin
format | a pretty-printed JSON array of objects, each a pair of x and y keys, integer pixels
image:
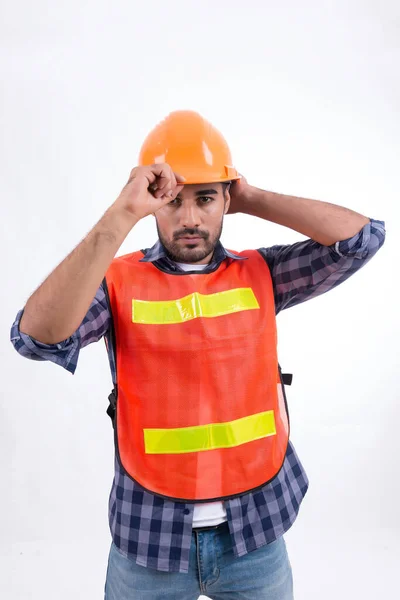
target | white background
[{"x": 307, "y": 95}]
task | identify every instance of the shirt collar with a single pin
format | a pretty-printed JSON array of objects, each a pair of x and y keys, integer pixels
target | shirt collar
[{"x": 158, "y": 252}]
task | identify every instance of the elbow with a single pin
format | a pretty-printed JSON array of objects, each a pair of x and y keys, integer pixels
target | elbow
[{"x": 38, "y": 332}]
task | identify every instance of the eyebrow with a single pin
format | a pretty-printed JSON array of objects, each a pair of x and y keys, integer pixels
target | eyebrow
[{"x": 206, "y": 192}]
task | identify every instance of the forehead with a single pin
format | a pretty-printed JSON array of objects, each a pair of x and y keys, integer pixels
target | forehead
[{"x": 202, "y": 189}]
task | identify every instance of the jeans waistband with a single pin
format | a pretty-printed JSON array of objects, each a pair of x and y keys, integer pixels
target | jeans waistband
[{"x": 210, "y": 527}]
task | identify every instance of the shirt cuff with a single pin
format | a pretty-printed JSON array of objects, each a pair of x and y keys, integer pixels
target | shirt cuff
[
  {"x": 365, "y": 242},
  {"x": 62, "y": 354}
]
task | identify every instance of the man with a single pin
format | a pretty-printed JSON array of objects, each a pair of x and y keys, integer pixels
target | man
[{"x": 206, "y": 479}]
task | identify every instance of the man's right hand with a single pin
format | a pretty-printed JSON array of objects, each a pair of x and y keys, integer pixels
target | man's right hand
[
  {"x": 57, "y": 308},
  {"x": 149, "y": 189}
]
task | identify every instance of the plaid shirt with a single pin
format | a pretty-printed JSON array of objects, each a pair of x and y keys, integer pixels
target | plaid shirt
[{"x": 155, "y": 532}]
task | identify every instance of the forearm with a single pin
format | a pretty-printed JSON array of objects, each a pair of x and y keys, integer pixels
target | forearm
[
  {"x": 56, "y": 309},
  {"x": 321, "y": 221}
]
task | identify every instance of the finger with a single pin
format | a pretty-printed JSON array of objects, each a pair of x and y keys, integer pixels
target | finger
[
  {"x": 166, "y": 184},
  {"x": 177, "y": 183},
  {"x": 177, "y": 190},
  {"x": 159, "y": 189},
  {"x": 170, "y": 175},
  {"x": 153, "y": 172},
  {"x": 163, "y": 191},
  {"x": 168, "y": 197},
  {"x": 173, "y": 180},
  {"x": 179, "y": 178},
  {"x": 164, "y": 180},
  {"x": 161, "y": 171},
  {"x": 172, "y": 193}
]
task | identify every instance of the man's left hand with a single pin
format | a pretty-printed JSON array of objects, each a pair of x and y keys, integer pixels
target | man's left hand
[{"x": 240, "y": 192}]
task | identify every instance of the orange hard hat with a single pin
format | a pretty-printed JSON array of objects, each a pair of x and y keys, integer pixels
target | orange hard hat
[{"x": 192, "y": 146}]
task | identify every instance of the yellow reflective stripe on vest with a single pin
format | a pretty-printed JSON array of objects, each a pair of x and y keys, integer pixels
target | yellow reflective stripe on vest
[
  {"x": 211, "y": 436},
  {"x": 193, "y": 306}
]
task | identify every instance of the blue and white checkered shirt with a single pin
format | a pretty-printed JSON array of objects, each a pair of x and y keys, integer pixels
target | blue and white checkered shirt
[{"x": 155, "y": 532}]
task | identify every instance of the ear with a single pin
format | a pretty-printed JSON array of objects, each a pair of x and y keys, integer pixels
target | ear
[{"x": 227, "y": 201}]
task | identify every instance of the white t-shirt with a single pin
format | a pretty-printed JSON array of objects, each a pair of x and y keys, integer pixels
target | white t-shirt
[{"x": 207, "y": 513}]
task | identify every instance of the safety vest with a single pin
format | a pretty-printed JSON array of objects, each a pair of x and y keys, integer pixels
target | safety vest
[{"x": 201, "y": 412}]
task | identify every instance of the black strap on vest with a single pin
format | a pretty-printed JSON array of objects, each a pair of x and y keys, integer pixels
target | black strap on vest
[
  {"x": 112, "y": 398},
  {"x": 287, "y": 378}
]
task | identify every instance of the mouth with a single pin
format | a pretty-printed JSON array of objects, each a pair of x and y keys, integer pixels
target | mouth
[{"x": 191, "y": 239}]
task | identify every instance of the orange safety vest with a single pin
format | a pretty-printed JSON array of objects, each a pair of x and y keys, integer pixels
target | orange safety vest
[{"x": 201, "y": 412}]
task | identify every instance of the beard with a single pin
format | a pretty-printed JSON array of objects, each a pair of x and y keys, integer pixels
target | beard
[{"x": 185, "y": 252}]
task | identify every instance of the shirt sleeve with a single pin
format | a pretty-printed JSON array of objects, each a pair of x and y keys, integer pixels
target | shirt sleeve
[
  {"x": 308, "y": 269},
  {"x": 93, "y": 327}
]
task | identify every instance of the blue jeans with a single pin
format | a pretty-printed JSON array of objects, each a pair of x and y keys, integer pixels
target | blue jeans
[{"x": 264, "y": 574}]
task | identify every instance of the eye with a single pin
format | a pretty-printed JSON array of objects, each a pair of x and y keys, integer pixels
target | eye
[{"x": 201, "y": 199}]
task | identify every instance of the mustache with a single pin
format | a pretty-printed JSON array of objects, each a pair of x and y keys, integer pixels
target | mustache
[{"x": 191, "y": 232}]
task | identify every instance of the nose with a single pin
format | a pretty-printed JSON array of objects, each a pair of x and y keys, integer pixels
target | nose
[{"x": 189, "y": 217}]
